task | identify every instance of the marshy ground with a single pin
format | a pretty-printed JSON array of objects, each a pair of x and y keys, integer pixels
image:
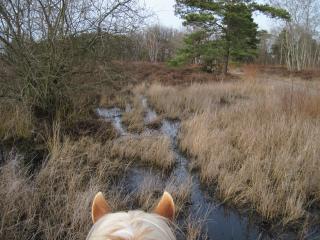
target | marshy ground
[{"x": 240, "y": 155}]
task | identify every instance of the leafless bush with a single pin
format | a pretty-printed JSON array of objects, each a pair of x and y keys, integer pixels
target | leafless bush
[{"x": 41, "y": 39}]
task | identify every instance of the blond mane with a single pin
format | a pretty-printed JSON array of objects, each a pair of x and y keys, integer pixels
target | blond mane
[{"x": 132, "y": 225}]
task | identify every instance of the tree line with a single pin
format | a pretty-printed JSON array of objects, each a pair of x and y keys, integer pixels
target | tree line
[
  {"x": 41, "y": 40},
  {"x": 153, "y": 43},
  {"x": 296, "y": 44}
]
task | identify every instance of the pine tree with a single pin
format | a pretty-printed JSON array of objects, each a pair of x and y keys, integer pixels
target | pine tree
[{"x": 223, "y": 30}]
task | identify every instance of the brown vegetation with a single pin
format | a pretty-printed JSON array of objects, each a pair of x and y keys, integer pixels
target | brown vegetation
[
  {"x": 16, "y": 121},
  {"x": 55, "y": 202},
  {"x": 134, "y": 119},
  {"x": 148, "y": 72},
  {"x": 278, "y": 70},
  {"x": 260, "y": 153},
  {"x": 194, "y": 229},
  {"x": 251, "y": 71},
  {"x": 180, "y": 102},
  {"x": 151, "y": 150},
  {"x": 257, "y": 144},
  {"x": 98, "y": 129},
  {"x": 152, "y": 187}
]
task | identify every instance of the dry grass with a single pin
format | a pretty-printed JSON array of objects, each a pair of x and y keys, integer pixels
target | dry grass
[
  {"x": 53, "y": 200},
  {"x": 152, "y": 188},
  {"x": 150, "y": 150},
  {"x": 148, "y": 192},
  {"x": 114, "y": 99},
  {"x": 54, "y": 203},
  {"x": 180, "y": 102},
  {"x": 195, "y": 229},
  {"x": 134, "y": 120},
  {"x": 259, "y": 147},
  {"x": 155, "y": 123},
  {"x": 260, "y": 154},
  {"x": 300, "y": 102},
  {"x": 280, "y": 70},
  {"x": 16, "y": 121},
  {"x": 250, "y": 72},
  {"x": 181, "y": 193}
]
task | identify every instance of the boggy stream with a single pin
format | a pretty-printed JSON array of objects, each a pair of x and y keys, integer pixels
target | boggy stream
[{"x": 221, "y": 222}]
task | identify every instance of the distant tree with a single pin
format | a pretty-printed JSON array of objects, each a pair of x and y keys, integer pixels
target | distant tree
[
  {"x": 298, "y": 44},
  {"x": 222, "y": 30},
  {"x": 153, "y": 41},
  {"x": 161, "y": 42},
  {"x": 265, "y": 48}
]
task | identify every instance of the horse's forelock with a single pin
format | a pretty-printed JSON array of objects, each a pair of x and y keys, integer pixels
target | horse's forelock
[{"x": 132, "y": 225}]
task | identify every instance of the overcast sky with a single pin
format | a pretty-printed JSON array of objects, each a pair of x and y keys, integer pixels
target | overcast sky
[{"x": 164, "y": 10}]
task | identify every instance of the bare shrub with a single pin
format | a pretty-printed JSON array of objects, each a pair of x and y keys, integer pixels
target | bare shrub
[{"x": 43, "y": 40}]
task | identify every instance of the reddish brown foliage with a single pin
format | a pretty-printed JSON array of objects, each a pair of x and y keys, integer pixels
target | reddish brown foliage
[
  {"x": 308, "y": 74},
  {"x": 144, "y": 71}
]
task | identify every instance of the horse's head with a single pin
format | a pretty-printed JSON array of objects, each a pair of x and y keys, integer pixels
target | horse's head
[{"x": 132, "y": 225}]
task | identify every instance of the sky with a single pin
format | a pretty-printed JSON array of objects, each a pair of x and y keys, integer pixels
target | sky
[{"x": 164, "y": 11}]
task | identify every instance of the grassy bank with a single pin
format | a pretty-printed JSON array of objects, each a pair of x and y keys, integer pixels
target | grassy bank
[{"x": 257, "y": 144}]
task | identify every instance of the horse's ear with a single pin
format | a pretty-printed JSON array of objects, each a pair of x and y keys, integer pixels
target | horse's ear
[
  {"x": 99, "y": 208},
  {"x": 165, "y": 207}
]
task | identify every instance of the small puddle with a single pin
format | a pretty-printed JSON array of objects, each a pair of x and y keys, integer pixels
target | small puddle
[
  {"x": 221, "y": 221},
  {"x": 113, "y": 115}
]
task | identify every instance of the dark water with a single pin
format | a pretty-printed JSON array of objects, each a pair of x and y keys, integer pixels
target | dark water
[{"x": 221, "y": 221}]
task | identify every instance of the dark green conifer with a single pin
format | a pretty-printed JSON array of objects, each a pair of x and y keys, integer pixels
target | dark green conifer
[{"x": 224, "y": 30}]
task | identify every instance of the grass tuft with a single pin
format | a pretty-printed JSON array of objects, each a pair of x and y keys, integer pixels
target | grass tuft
[
  {"x": 16, "y": 122},
  {"x": 134, "y": 120},
  {"x": 150, "y": 150}
]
